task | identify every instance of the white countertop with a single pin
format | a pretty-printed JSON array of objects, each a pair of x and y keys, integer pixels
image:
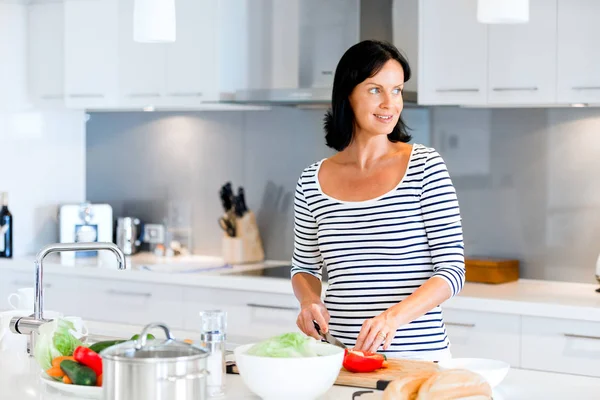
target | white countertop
[
  {"x": 20, "y": 379},
  {"x": 525, "y": 297}
]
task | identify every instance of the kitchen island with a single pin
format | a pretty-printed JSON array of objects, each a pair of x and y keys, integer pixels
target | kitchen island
[{"x": 20, "y": 378}]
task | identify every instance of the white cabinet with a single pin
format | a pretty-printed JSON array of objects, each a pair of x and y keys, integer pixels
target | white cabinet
[
  {"x": 91, "y": 53},
  {"x": 477, "y": 334},
  {"x": 561, "y": 345},
  {"x": 192, "y": 62},
  {"x": 522, "y": 58},
  {"x": 578, "y": 51},
  {"x": 452, "y": 53},
  {"x": 46, "y": 54},
  {"x": 13, "y": 56}
]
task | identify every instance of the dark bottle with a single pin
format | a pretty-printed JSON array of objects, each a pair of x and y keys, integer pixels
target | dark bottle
[{"x": 6, "y": 228}]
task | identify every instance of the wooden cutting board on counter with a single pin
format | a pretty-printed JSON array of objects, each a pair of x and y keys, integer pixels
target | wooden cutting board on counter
[{"x": 372, "y": 380}]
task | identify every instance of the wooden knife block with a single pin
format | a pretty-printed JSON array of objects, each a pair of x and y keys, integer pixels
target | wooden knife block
[
  {"x": 246, "y": 246},
  {"x": 491, "y": 270}
]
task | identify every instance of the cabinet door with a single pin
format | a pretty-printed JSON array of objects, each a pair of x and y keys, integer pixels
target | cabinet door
[
  {"x": 522, "y": 58},
  {"x": 477, "y": 334},
  {"x": 561, "y": 345},
  {"x": 578, "y": 51},
  {"x": 141, "y": 65},
  {"x": 13, "y": 45},
  {"x": 192, "y": 62},
  {"x": 46, "y": 54},
  {"x": 452, "y": 53},
  {"x": 91, "y": 53}
]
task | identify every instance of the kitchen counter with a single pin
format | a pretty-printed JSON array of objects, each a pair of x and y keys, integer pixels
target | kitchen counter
[{"x": 19, "y": 379}]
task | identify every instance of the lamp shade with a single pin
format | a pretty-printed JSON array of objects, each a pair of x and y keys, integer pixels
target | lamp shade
[
  {"x": 154, "y": 21},
  {"x": 503, "y": 11}
]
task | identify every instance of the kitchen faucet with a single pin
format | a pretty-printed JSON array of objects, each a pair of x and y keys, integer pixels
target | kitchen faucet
[{"x": 31, "y": 324}]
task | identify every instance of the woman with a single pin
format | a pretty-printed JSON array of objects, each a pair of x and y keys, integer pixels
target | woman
[{"x": 381, "y": 215}]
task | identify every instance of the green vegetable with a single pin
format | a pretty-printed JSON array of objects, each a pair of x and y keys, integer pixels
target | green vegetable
[
  {"x": 287, "y": 345},
  {"x": 54, "y": 340},
  {"x": 99, "y": 346},
  {"x": 149, "y": 336},
  {"x": 79, "y": 374}
]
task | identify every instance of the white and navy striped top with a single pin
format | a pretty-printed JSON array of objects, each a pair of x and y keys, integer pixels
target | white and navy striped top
[{"x": 378, "y": 251}]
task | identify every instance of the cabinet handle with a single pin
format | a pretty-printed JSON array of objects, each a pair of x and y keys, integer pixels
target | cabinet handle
[
  {"x": 327, "y": 73},
  {"x": 137, "y": 95},
  {"x": 186, "y": 94},
  {"x": 449, "y": 90},
  {"x": 52, "y": 96},
  {"x": 573, "y": 335},
  {"x": 86, "y": 95},
  {"x": 586, "y": 88},
  {"x": 515, "y": 89},
  {"x": 460, "y": 324},
  {"x": 29, "y": 284},
  {"x": 124, "y": 293},
  {"x": 253, "y": 305}
]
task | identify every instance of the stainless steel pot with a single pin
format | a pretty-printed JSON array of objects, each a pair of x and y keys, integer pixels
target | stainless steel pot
[{"x": 154, "y": 369}]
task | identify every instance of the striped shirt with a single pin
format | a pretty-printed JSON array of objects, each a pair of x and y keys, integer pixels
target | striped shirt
[{"x": 378, "y": 251}]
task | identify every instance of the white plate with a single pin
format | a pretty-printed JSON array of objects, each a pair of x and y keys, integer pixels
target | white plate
[{"x": 91, "y": 392}]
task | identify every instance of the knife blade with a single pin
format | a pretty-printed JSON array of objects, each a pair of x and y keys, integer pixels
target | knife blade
[{"x": 329, "y": 338}]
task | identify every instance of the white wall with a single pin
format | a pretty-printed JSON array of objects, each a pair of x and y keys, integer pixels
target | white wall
[{"x": 42, "y": 165}]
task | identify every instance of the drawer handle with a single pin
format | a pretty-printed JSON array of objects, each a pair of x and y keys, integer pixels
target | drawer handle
[
  {"x": 458, "y": 90},
  {"x": 51, "y": 96},
  {"x": 29, "y": 284},
  {"x": 86, "y": 95},
  {"x": 460, "y": 324},
  {"x": 138, "y": 95},
  {"x": 586, "y": 88},
  {"x": 186, "y": 94},
  {"x": 132, "y": 294},
  {"x": 254, "y": 305},
  {"x": 515, "y": 89},
  {"x": 573, "y": 335}
]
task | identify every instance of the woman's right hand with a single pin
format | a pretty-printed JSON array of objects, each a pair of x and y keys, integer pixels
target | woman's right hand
[{"x": 313, "y": 311}]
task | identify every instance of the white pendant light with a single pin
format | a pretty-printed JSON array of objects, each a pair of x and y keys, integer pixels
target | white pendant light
[
  {"x": 503, "y": 11},
  {"x": 154, "y": 21}
]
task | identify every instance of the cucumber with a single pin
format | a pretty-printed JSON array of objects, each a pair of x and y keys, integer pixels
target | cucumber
[
  {"x": 99, "y": 346},
  {"x": 78, "y": 374}
]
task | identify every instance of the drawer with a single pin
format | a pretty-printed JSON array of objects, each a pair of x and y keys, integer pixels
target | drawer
[
  {"x": 251, "y": 315},
  {"x": 484, "y": 335},
  {"x": 561, "y": 345}
]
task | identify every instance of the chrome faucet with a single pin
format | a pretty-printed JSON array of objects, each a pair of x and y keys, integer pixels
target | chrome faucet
[{"x": 30, "y": 325}]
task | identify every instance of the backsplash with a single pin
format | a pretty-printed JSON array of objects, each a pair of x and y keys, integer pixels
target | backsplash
[{"x": 525, "y": 177}]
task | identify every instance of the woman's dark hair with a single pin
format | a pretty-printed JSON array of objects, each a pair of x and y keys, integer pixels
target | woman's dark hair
[{"x": 359, "y": 62}]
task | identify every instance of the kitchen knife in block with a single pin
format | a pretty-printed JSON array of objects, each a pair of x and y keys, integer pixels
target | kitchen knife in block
[
  {"x": 246, "y": 247},
  {"x": 372, "y": 380}
]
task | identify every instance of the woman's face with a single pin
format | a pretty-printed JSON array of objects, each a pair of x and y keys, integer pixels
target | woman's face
[{"x": 377, "y": 101}]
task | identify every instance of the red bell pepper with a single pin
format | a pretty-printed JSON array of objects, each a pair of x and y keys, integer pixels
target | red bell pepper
[
  {"x": 363, "y": 361},
  {"x": 89, "y": 358}
]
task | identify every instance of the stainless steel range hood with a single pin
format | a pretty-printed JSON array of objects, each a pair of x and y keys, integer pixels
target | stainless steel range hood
[{"x": 326, "y": 28}]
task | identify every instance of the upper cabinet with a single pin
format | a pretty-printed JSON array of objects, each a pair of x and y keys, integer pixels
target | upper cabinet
[
  {"x": 452, "y": 53},
  {"x": 46, "y": 54},
  {"x": 522, "y": 58},
  {"x": 13, "y": 50},
  {"x": 578, "y": 51}
]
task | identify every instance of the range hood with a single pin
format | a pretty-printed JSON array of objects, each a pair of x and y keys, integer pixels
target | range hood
[{"x": 321, "y": 31}]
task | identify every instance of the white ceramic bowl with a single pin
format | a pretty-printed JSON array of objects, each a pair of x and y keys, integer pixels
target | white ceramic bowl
[
  {"x": 302, "y": 378},
  {"x": 494, "y": 371}
]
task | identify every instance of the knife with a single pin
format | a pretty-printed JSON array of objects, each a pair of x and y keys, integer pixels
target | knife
[{"x": 329, "y": 337}]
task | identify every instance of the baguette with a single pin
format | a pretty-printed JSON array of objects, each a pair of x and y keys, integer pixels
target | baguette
[
  {"x": 455, "y": 384},
  {"x": 407, "y": 386}
]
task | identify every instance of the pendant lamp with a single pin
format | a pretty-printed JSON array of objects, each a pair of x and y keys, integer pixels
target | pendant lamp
[
  {"x": 503, "y": 11},
  {"x": 154, "y": 21}
]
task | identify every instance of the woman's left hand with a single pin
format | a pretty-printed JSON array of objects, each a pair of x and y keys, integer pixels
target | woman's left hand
[{"x": 377, "y": 331}]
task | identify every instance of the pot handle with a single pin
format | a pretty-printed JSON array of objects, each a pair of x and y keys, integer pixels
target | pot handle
[
  {"x": 176, "y": 378},
  {"x": 141, "y": 342}
]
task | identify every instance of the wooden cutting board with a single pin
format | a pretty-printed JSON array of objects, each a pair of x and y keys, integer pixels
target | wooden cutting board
[{"x": 372, "y": 380}]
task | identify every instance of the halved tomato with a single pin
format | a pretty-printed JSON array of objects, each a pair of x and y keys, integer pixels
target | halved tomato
[{"x": 363, "y": 361}]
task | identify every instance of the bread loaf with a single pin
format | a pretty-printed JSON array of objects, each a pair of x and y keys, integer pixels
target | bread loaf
[
  {"x": 455, "y": 384},
  {"x": 407, "y": 386}
]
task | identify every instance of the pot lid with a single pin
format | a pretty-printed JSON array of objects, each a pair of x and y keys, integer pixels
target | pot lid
[{"x": 144, "y": 350}]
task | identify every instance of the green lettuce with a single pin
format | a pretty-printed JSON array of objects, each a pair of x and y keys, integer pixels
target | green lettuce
[
  {"x": 55, "y": 339},
  {"x": 284, "y": 346}
]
